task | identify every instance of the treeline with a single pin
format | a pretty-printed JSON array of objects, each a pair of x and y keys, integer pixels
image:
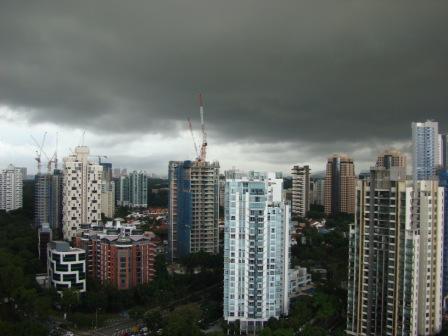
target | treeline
[{"x": 24, "y": 307}]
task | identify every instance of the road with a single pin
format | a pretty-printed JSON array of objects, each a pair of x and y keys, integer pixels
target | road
[{"x": 112, "y": 329}]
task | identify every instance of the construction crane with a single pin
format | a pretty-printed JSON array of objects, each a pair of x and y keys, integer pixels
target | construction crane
[
  {"x": 194, "y": 140},
  {"x": 55, "y": 155},
  {"x": 39, "y": 151},
  {"x": 203, "y": 153}
]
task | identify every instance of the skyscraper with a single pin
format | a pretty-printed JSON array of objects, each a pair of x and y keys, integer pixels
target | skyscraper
[
  {"x": 256, "y": 250},
  {"x": 138, "y": 189},
  {"x": 11, "y": 188},
  {"x": 395, "y": 256},
  {"x": 340, "y": 186},
  {"x": 383, "y": 258},
  {"x": 107, "y": 191},
  {"x": 193, "y": 207},
  {"x": 300, "y": 190},
  {"x": 443, "y": 144},
  {"x": 428, "y": 217},
  {"x": 81, "y": 192},
  {"x": 48, "y": 199},
  {"x": 443, "y": 182},
  {"x": 108, "y": 198},
  {"x": 425, "y": 150},
  {"x": 317, "y": 187},
  {"x": 391, "y": 158},
  {"x": 122, "y": 190}
]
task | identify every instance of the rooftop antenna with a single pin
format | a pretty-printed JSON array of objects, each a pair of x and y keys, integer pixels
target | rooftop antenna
[{"x": 203, "y": 154}]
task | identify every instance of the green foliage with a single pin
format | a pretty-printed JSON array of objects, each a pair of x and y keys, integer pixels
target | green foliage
[
  {"x": 183, "y": 321},
  {"x": 203, "y": 260},
  {"x": 69, "y": 299},
  {"x": 24, "y": 306},
  {"x": 266, "y": 332},
  {"x": 121, "y": 211},
  {"x": 216, "y": 333},
  {"x": 154, "y": 319},
  {"x": 316, "y": 212},
  {"x": 313, "y": 331}
]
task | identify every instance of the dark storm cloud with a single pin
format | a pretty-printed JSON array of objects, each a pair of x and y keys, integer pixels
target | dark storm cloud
[{"x": 315, "y": 71}]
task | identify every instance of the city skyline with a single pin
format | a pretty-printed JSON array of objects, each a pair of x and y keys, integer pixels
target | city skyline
[{"x": 132, "y": 87}]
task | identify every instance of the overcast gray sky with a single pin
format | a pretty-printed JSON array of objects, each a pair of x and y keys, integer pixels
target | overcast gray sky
[{"x": 285, "y": 82}]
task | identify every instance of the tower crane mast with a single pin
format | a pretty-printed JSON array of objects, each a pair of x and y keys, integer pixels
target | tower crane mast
[{"x": 203, "y": 154}]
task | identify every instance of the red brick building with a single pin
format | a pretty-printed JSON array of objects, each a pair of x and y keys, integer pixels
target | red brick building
[{"x": 123, "y": 261}]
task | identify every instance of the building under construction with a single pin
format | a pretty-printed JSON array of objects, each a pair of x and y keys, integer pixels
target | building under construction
[
  {"x": 47, "y": 189},
  {"x": 194, "y": 203}
]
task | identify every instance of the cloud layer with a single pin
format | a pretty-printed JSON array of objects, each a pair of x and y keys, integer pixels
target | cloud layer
[{"x": 315, "y": 76}]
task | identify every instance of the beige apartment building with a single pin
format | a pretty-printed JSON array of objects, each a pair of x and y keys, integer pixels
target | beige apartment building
[{"x": 340, "y": 186}]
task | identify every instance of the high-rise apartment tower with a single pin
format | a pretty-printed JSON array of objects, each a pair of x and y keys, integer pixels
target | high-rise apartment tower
[
  {"x": 425, "y": 150},
  {"x": 300, "y": 190},
  {"x": 81, "y": 192},
  {"x": 193, "y": 207},
  {"x": 340, "y": 181},
  {"x": 11, "y": 188},
  {"x": 256, "y": 250}
]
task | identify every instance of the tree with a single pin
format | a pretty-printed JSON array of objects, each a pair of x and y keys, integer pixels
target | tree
[
  {"x": 313, "y": 331},
  {"x": 69, "y": 299},
  {"x": 233, "y": 328},
  {"x": 154, "y": 319},
  {"x": 183, "y": 321},
  {"x": 326, "y": 305},
  {"x": 283, "y": 332},
  {"x": 266, "y": 332}
]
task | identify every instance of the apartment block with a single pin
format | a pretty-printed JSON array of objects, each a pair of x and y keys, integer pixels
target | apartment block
[
  {"x": 443, "y": 145},
  {"x": 48, "y": 199},
  {"x": 138, "y": 189},
  {"x": 193, "y": 207},
  {"x": 122, "y": 194},
  {"x": 300, "y": 190},
  {"x": 383, "y": 258},
  {"x": 443, "y": 182},
  {"x": 81, "y": 192},
  {"x": 119, "y": 255},
  {"x": 428, "y": 216},
  {"x": 340, "y": 185},
  {"x": 66, "y": 266},
  {"x": 107, "y": 191},
  {"x": 256, "y": 250},
  {"x": 395, "y": 256},
  {"x": 391, "y": 158},
  {"x": 425, "y": 150},
  {"x": 317, "y": 187},
  {"x": 11, "y": 188}
]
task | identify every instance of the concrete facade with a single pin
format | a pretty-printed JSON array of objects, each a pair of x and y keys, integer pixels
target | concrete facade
[
  {"x": 256, "y": 250},
  {"x": 11, "y": 188},
  {"x": 120, "y": 256},
  {"x": 81, "y": 192},
  {"x": 300, "y": 190},
  {"x": 193, "y": 216},
  {"x": 340, "y": 184},
  {"x": 66, "y": 267}
]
